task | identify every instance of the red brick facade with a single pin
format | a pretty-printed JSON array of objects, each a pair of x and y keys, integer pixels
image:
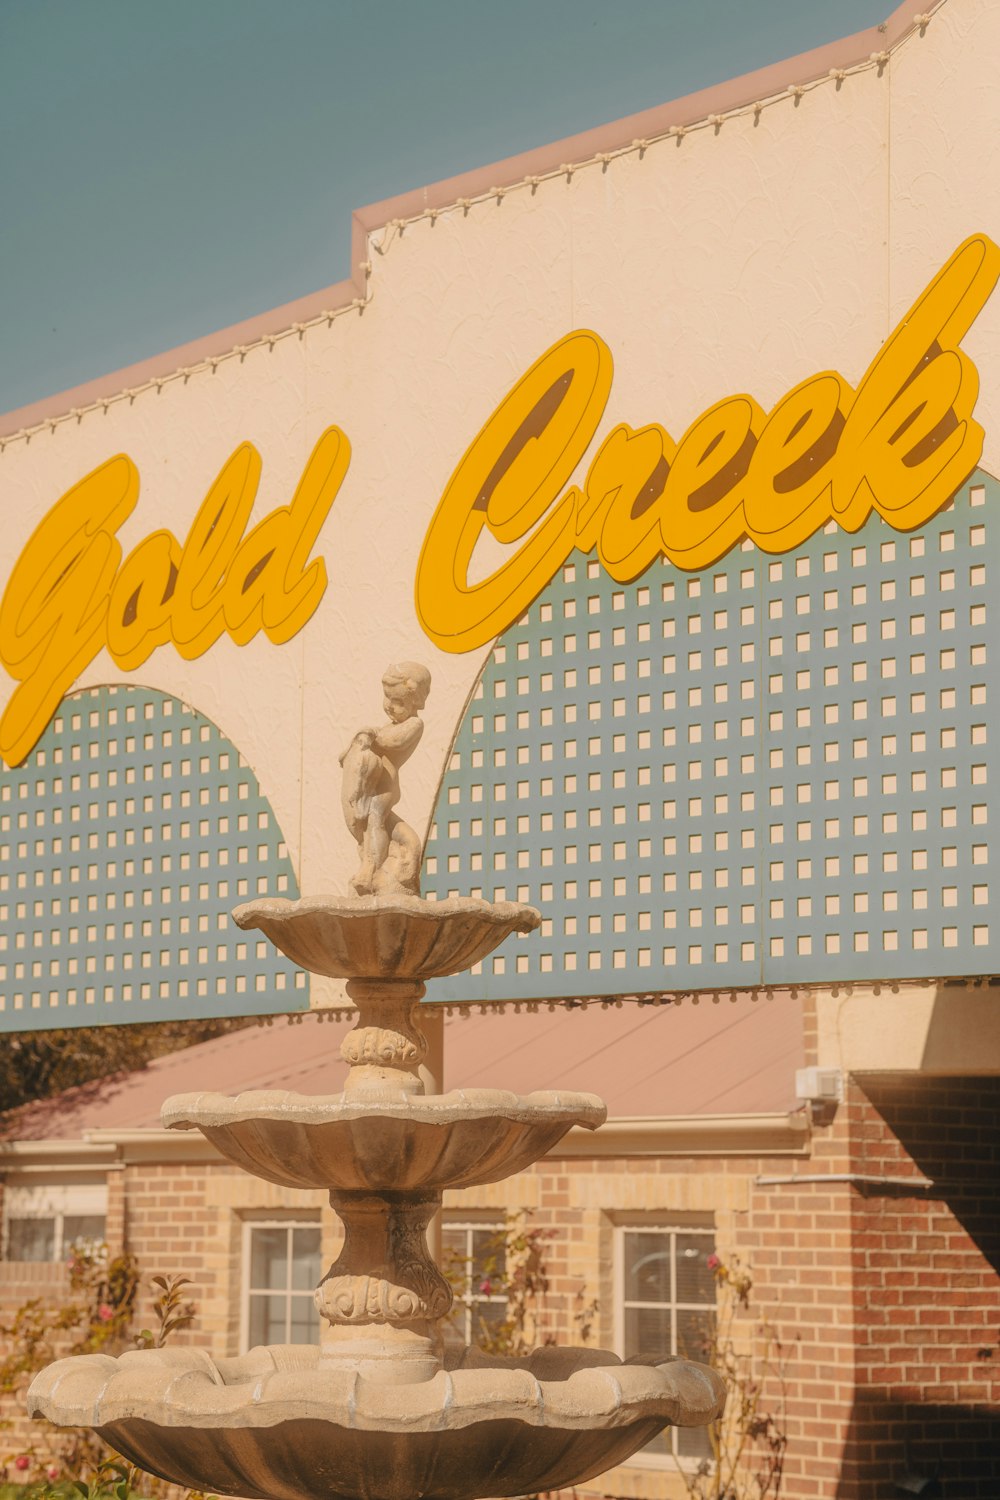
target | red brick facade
[{"x": 887, "y": 1297}]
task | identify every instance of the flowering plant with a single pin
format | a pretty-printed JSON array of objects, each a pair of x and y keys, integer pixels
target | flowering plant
[
  {"x": 513, "y": 1268},
  {"x": 748, "y": 1442},
  {"x": 98, "y": 1317}
]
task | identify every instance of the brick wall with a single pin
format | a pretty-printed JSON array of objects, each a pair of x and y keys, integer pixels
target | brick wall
[
  {"x": 187, "y": 1220},
  {"x": 21, "y": 1283},
  {"x": 887, "y": 1298},
  {"x": 798, "y": 1242},
  {"x": 583, "y": 1201},
  {"x": 926, "y": 1287}
]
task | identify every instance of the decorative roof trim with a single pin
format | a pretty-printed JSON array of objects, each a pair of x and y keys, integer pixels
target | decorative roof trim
[
  {"x": 339, "y": 1014},
  {"x": 634, "y": 135}
]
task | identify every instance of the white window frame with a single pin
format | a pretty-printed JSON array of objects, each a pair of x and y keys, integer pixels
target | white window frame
[
  {"x": 661, "y": 1224},
  {"x": 246, "y": 1261},
  {"x": 465, "y": 1302},
  {"x": 58, "y": 1201}
]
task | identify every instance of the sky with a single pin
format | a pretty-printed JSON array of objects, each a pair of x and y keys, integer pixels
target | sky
[{"x": 174, "y": 166}]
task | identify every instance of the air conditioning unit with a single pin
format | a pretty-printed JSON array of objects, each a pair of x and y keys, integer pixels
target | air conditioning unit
[{"x": 819, "y": 1085}]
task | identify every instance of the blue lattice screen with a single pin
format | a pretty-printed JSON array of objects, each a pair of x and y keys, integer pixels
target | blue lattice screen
[
  {"x": 125, "y": 839},
  {"x": 776, "y": 771}
]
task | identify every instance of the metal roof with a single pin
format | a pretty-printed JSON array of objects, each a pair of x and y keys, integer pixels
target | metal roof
[{"x": 731, "y": 1057}]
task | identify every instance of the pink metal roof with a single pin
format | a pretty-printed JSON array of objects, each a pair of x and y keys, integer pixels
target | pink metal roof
[{"x": 734, "y": 1057}]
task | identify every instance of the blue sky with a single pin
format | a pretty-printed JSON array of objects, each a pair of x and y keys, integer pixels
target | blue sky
[{"x": 173, "y": 167}]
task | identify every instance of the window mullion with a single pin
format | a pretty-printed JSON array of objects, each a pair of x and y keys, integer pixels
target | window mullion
[
  {"x": 289, "y": 1251},
  {"x": 470, "y": 1292},
  {"x": 673, "y": 1293},
  {"x": 672, "y": 1431}
]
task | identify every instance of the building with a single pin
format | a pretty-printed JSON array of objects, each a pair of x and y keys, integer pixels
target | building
[{"x": 868, "y": 1223}]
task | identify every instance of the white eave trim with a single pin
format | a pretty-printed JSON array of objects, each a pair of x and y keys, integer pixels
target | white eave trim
[
  {"x": 157, "y": 1145},
  {"x": 56, "y": 1156},
  {"x": 108, "y": 1149},
  {"x": 691, "y": 1135},
  {"x": 645, "y": 1135}
]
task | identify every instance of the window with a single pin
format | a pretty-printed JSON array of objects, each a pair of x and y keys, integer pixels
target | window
[
  {"x": 281, "y": 1262},
  {"x": 474, "y": 1254},
  {"x": 666, "y": 1305},
  {"x": 42, "y": 1223}
]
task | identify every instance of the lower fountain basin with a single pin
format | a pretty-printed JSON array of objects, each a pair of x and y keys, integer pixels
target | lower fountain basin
[
  {"x": 426, "y": 1142},
  {"x": 280, "y": 1424}
]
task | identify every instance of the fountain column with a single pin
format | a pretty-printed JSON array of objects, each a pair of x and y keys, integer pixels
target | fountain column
[
  {"x": 384, "y": 1296},
  {"x": 386, "y": 1047}
]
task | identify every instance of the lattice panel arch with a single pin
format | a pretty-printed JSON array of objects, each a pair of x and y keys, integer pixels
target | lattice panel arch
[
  {"x": 777, "y": 771},
  {"x": 126, "y": 837}
]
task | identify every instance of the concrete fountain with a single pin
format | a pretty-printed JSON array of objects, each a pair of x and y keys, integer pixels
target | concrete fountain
[{"x": 379, "y": 1410}]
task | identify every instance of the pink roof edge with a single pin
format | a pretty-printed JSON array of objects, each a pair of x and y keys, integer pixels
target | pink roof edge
[
  {"x": 736, "y": 1057},
  {"x": 718, "y": 99}
]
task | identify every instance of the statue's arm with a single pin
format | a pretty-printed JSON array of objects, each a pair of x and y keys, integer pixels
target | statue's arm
[
  {"x": 361, "y": 741},
  {"x": 399, "y": 740}
]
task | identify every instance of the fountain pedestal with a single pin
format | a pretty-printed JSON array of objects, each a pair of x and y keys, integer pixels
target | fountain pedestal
[{"x": 384, "y": 1296}]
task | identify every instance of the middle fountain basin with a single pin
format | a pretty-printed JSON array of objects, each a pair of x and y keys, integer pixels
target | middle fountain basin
[{"x": 425, "y": 1142}]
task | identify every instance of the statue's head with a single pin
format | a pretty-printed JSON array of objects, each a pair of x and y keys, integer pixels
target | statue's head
[{"x": 405, "y": 685}]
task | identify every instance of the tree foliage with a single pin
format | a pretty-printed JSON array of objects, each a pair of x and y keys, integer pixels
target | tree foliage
[{"x": 36, "y": 1065}]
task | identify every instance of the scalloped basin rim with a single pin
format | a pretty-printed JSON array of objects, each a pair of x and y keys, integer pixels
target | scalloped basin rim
[
  {"x": 378, "y": 937},
  {"x": 280, "y": 908},
  {"x": 565, "y": 1388},
  {"x": 210, "y": 1110}
]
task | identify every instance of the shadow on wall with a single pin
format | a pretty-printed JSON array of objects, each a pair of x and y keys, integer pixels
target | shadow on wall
[
  {"x": 950, "y": 1128},
  {"x": 897, "y": 1448},
  {"x": 963, "y": 1032},
  {"x": 926, "y": 1292}
]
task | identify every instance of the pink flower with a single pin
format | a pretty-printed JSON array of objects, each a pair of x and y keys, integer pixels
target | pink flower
[
  {"x": 105, "y": 1313},
  {"x": 713, "y": 1262},
  {"x": 22, "y": 1461},
  {"x": 485, "y": 1288},
  {"x": 52, "y": 1472}
]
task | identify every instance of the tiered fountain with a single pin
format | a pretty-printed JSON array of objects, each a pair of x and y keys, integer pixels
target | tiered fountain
[{"x": 379, "y": 1410}]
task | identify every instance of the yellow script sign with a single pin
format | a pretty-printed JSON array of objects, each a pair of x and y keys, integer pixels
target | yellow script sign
[
  {"x": 70, "y": 594},
  {"x": 900, "y": 444}
]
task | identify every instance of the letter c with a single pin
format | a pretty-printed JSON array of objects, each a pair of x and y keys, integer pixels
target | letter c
[{"x": 506, "y": 482}]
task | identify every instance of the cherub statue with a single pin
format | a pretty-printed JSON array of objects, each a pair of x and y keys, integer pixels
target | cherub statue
[{"x": 390, "y": 849}]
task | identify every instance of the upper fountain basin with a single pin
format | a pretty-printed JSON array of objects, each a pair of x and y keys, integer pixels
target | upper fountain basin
[
  {"x": 424, "y": 1142},
  {"x": 280, "y": 1424},
  {"x": 386, "y": 937}
]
